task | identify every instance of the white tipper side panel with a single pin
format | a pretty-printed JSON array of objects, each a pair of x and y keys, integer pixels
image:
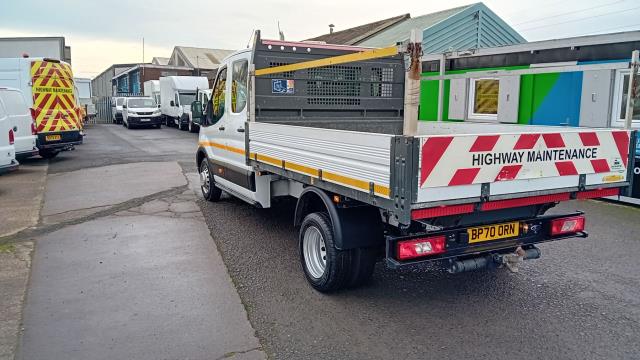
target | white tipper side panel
[
  {"x": 601, "y": 154},
  {"x": 356, "y": 155}
]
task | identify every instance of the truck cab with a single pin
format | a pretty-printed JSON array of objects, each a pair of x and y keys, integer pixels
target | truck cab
[
  {"x": 176, "y": 95},
  {"x": 202, "y": 99}
]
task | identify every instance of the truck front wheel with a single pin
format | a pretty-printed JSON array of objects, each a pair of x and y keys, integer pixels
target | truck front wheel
[
  {"x": 326, "y": 267},
  {"x": 207, "y": 185}
]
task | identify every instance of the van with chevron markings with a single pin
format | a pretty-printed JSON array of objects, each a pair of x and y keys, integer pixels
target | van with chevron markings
[{"x": 48, "y": 88}]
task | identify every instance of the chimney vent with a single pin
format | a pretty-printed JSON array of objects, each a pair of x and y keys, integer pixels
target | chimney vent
[{"x": 331, "y": 26}]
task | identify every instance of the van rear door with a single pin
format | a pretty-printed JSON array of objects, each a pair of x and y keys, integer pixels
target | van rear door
[{"x": 54, "y": 103}]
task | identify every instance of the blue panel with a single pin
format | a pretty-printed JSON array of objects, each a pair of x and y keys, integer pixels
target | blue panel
[{"x": 561, "y": 106}]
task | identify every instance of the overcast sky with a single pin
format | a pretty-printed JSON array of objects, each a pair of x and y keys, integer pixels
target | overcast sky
[{"x": 101, "y": 33}]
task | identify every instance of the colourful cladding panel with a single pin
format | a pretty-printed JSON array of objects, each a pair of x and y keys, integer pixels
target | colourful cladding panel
[{"x": 556, "y": 99}]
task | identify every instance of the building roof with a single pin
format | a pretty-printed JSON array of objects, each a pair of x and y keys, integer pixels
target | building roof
[
  {"x": 353, "y": 35},
  {"x": 401, "y": 31},
  {"x": 160, "y": 61},
  {"x": 150, "y": 66},
  {"x": 466, "y": 27},
  {"x": 199, "y": 58}
]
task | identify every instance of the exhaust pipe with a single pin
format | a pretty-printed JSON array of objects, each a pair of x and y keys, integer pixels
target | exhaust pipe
[{"x": 490, "y": 261}]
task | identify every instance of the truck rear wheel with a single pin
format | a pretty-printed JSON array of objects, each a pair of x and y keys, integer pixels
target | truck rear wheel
[
  {"x": 327, "y": 268},
  {"x": 207, "y": 184}
]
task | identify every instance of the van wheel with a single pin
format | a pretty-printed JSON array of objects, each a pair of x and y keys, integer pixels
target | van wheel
[
  {"x": 193, "y": 128},
  {"x": 48, "y": 154},
  {"x": 207, "y": 184},
  {"x": 325, "y": 267}
]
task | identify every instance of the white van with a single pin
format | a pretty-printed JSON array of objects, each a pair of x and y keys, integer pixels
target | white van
[
  {"x": 116, "y": 109},
  {"x": 176, "y": 95},
  {"x": 141, "y": 111},
  {"x": 8, "y": 160},
  {"x": 21, "y": 122}
]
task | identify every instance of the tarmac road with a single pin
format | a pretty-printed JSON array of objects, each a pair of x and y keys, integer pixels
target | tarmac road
[{"x": 581, "y": 300}]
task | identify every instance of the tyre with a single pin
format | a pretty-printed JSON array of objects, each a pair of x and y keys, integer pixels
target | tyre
[
  {"x": 48, "y": 154},
  {"x": 326, "y": 268},
  {"x": 125, "y": 124},
  {"x": 158, "y": 126},
  {"x": 207, "y": 184},
  {"x": 193, "y": 128},
  {"x": 183, "y": 127}
]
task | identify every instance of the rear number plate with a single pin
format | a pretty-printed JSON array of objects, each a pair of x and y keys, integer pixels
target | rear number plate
[
  {"x": 143, "y": 120},
  {"x": 53, "y": 137},
  {"x": 493, "y": 232}
]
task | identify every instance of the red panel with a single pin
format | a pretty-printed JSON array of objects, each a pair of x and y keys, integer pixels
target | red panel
[
  {"x": 589, "y": 139},
  {"x": 566, "y": 168},
  {"x": 464, "y": 176},
  {"x": 553, "y": 140},
  {"x": 484, "y": 143},
  {"x": 622, "y": 142},
  {"x": 441, "y": 211},
  {"x": 508, "y": 172},
  {"x": 526, "y": 141},
  {"x": 511, "y": 203},
  {"x": 600, "y": 165},
  {"x": 432, "y": 152},
  {"x": 591, "y": 194}
]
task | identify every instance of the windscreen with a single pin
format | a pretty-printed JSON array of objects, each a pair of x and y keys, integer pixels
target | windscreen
[
  {"x": 187, "y": 98},
  {"x": 141, "y": 103}
]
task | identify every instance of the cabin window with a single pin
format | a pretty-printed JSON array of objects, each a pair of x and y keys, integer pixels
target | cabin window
[
  {"x": 620, "y": 100},
  {"x": 239, "y": 86},
  {"x": 483, "y": 99},
  {"x": 216, "y": 110}
]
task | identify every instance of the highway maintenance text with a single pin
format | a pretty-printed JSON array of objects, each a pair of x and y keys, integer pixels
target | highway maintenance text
[{"x": 515, "y": 157}]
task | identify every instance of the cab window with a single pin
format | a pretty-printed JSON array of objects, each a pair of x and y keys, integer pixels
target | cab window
[
  {"x": 216, "y": 105},
  {"x": 239, "y": 86},
  {"x": 176, "y": 101}
]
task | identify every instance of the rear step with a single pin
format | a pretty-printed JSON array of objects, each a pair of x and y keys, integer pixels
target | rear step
[{"x": 511, "y": 261}]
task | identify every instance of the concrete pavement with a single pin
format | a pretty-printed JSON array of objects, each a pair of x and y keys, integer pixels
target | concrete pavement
[
  {"x": 21, "y": 196},
  {"x": 124, "y": 266}
]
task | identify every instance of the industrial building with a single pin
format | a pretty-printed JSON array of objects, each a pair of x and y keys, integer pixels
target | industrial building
[
  {"x": 467, "y": 27},
  {"x": 48, "y": 47}
]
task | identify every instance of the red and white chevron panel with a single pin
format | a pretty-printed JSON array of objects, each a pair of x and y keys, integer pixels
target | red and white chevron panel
[{"x": 476, "y": 159}]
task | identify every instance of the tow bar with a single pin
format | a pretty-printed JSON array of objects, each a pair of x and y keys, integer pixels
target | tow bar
[{"x": 510, "y": 261}]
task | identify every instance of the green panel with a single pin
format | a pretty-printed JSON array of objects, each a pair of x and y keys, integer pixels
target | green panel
[
  {"x": 429, "y": 93},
  {"x": 525, "y": 106}
]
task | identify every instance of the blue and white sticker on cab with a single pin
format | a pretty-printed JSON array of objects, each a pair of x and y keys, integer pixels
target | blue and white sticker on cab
[{"x": 282, "y": 86}]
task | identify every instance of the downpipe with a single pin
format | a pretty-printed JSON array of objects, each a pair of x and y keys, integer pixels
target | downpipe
[{"x": 510, "y": 261}]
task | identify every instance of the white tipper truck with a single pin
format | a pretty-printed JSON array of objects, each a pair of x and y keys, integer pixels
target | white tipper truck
[
  {"x": 151, "y": 88},
  {"x": 326, "y": 124}
]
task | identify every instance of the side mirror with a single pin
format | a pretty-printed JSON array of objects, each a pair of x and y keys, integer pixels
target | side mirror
[
  {"x": 124, "y": 106},
  {"x": 172, "y": 104},
  {"x": 158, "y": 106},
  {"x": 196, "y": 112}
]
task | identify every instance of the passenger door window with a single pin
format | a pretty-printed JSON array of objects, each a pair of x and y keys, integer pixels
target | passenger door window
[
  {"x": 239, "y": 86},
  {"x": 215, "y": 110}
]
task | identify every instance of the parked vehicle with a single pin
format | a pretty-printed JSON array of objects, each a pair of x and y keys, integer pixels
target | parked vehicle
[
  {"x": 8, "y": 160},
  {"x": 83, "y": 96},
  {"x": 48, "y": 89},
  {"x": 176, "y": 95},
  {"x": 116, "y": 109},
  {"x": 24, "y": 128},
  {"x": 141, "y": 111},
  {"x": 152, "y": 89},
  {"x": 202, "y": 98},
  {"x": 465, "y": 195}
]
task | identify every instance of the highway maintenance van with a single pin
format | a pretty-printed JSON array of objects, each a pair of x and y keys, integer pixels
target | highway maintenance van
[
  {"x": 48, "y": 89},
  {"x": 337, "y": 128}
]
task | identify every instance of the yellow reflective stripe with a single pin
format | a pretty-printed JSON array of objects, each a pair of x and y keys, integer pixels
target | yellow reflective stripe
[
  {"x": 303, "y": 169},
  {"x": 359, "y": 56}
]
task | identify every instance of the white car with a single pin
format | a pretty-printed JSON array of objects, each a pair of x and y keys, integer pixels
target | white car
[
  {"x": 141, "y": 111},
  {"x": 116, "y": 109},
  {"x": 21, "y": 122},
  {"x": 8, "y": 160}
]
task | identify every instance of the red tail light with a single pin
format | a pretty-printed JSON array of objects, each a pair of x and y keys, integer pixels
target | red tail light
[
  {"x": 415, "y": 248},
  {"x": 12, "y": 138},
  {"x": 569, "y": 225},
  {"x": 34, "y": 131}
]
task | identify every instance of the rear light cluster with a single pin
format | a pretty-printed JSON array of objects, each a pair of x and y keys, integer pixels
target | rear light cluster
[
  {"x": 12, "y": 138},
  {"x": 569, "y": 225},
  {"x": 34, "y": 130},
  {"x": 410, "y": 249}
]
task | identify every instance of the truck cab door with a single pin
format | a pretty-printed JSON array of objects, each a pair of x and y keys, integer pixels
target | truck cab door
[{"x": 212, "y": 128}]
